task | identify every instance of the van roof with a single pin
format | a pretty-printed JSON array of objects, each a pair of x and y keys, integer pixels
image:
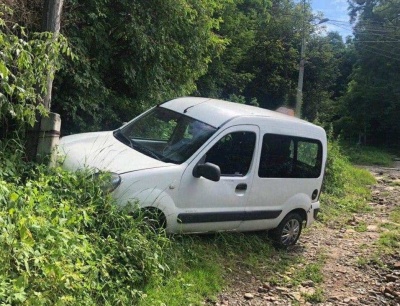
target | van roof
[{"x": 216, "y": 112}]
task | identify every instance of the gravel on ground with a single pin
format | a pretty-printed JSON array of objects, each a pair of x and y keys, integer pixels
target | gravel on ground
[{"x": 346, "y": 280}]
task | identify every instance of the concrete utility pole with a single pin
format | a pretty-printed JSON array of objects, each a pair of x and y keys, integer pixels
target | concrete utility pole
[
  {"x": 51, "y": 23},
  {"x": 44, "y": 136},
  {"x": 299, "y": 94}
]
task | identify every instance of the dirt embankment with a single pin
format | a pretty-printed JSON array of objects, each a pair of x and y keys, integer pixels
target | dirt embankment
[{"x": 349, "y": 278}]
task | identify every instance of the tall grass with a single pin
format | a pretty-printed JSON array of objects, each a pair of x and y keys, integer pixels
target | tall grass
[
  {"x": 346, "y": 188},
  {"x": 63, "y": 242},
  {"x": 367, "y": 155}
]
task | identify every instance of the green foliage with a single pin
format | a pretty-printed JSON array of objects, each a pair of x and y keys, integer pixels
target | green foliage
[
  {"x": 274, "y": 57},
  {"x": 345, "y": 188},
  {"x": 227, "y": 74},
  {"x": 64, "y": 242},
  {"x": 336, "y": 173},
  {"x": 196, "y": 275},
  {"x": 322, "y": 71},
  {"x": 132, "y": 55},
  {"x": 25, "y": 61},
  {"x": 371, "y": 104},
  {"x": 367, "y": 155},
  {"x": 389, "y": 241}
]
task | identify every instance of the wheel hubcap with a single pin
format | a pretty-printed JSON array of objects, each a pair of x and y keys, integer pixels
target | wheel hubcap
[{"x": 290, "y": 232}]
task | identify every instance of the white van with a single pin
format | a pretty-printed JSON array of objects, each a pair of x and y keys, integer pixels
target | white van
[{"x": 209, "y": 165}]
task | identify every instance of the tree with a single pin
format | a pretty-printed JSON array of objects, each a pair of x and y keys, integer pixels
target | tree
[
  {"x": 275, "y": 56},
  {"x": 325, "y": 76},
  {"x": 26, "y": 58},
  {"x": 373, "y": 98},
  {"x": 227, "y": 74},
  {"x": 132, "y": 55}
]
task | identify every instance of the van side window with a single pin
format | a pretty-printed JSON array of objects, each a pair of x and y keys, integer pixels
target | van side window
[
  {"x": 290, "y": 157},
  {"x": 233, "y": 153}
]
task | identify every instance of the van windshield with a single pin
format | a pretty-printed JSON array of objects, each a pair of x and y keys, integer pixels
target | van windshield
[{"x": 165, "y": 135}]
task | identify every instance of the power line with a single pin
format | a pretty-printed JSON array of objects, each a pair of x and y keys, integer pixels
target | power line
[
  {"x": 378, "y": 41},
  {"x": 379, "y": 52}
]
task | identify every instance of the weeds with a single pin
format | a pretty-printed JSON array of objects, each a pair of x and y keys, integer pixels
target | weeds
[
  {"x": 389, "y": 241},
  {"x": 64, "y": 242},
  {"x": 345, "y": 187},
  {"x": 366, "y": 155}
]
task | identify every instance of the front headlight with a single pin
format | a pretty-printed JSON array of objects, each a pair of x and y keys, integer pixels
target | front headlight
[{"x": 109, "y": 181}]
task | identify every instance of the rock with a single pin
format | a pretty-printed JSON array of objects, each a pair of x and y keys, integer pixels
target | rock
[
  {"x": 396, "y": 266},
  {"x": 388, "y": 295},
  {"x": 262, "y": 289},
  {"x": 248, "y": 296},
  {"x": 333, "y": 298},
  {"x": 267, "y": 286},
  {"x": 307, "y": 290},
  {"x": 389, "y": 292},
  {"x": 282, "y": 289},
  {"x": 372, "y": 228},
  {"x": 296, "y": 296},
  {"x": 270, "y": 298},
  {"x": 308, "y": 283},
  {"x": 391, "y": 278}
]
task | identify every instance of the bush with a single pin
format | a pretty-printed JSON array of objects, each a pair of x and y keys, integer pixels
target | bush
[
  {"x": 345, "y": 186},
  {"x": 26, "y": 60},
  {"x": 64, "y": 242},
  {"x": 337, "y": 170}
]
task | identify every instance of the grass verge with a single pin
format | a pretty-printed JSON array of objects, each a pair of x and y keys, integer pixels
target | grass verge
[
  {"x": 367, "y": 155},
  {"x": 63, "y": 242},
  {"x": 389, "y": 241}
]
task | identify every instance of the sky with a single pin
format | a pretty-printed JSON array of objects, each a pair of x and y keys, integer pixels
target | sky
[{"x": 336, "y": 12}]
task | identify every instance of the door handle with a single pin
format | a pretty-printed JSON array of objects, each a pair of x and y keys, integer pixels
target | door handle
[{"x": 241, "y": 187}]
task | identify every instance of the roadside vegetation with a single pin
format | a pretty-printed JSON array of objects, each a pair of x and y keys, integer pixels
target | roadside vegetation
[
  {"x": 368, "y": 155},
  {"x": 64, "y": 242}
]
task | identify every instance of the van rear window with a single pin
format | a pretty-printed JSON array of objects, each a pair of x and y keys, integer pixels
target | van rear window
[{"x": 285, "y": 156}]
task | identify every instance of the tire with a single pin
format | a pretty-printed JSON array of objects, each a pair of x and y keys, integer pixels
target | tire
[
  {"x": 288, "y": 231},
  {"x": 154, "y": 219}
]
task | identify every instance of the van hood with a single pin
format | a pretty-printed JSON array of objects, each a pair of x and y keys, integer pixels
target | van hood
[{"x": 102, "y": 151}]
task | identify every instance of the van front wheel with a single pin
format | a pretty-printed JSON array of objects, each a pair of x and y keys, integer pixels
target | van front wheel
[{"x": 288, "y": 231}]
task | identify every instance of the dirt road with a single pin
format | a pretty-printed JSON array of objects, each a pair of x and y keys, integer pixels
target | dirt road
[{"x": 350, "y": 277}]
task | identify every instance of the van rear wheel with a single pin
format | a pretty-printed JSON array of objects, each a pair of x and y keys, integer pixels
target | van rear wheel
[{"x": 288, "y": 231}]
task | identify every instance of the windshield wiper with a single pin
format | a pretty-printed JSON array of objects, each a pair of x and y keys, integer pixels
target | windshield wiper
[{"x": 141, "y": 148}]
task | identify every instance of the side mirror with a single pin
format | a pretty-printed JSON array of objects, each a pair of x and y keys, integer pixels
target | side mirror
[{"x": 208, "y": 170}]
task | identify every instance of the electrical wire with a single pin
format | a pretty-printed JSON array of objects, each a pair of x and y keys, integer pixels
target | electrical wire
[{"x": 379, "y": 52}]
